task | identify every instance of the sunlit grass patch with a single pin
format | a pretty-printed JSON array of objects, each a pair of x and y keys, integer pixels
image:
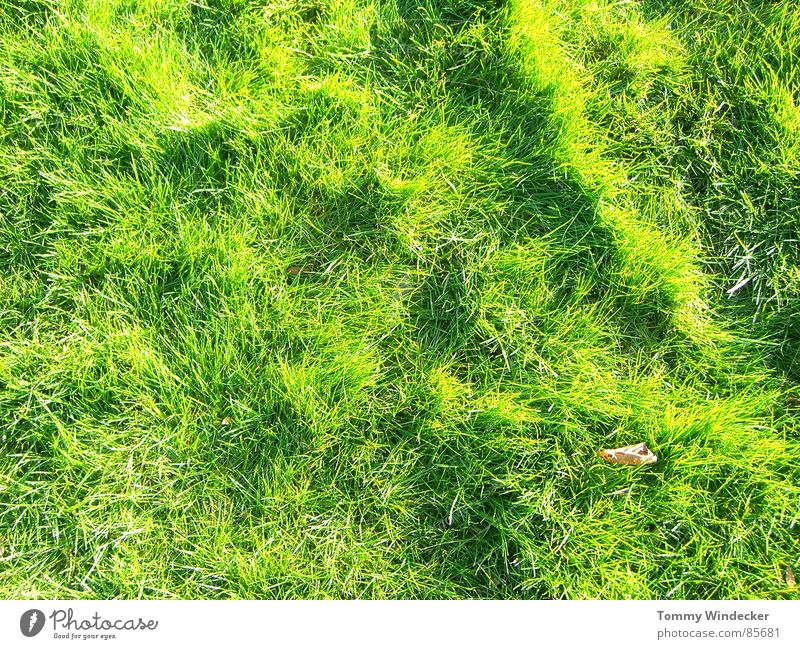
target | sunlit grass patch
[{"x": 340, "y": 299}]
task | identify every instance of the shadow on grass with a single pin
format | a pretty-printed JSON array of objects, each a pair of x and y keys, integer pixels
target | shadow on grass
[{"x": 751, "y": 201}]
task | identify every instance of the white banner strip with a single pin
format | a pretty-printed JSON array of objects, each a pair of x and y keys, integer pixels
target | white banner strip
[{"x": 485, "y": 624}]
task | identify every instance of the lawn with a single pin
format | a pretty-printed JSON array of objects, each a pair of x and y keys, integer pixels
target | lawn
[{"x": 307, "y": 299}]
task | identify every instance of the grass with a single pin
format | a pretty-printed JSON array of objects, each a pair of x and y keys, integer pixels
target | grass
[{"x": 339, "y": 299}]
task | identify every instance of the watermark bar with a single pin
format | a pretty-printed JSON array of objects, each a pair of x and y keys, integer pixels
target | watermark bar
[{"x": 638, "y": 624}]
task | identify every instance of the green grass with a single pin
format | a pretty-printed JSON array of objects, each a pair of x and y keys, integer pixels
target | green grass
[{"x": 528, "y": 230}]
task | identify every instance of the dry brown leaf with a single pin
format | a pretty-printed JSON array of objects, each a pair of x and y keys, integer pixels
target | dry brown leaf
[
  {"x": 791, "y": 580},
  {"x": 299, "y": 270},
  {"x": 634, "y": 455}
]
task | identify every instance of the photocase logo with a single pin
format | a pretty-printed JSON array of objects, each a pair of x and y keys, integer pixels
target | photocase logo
[
  {"x": 67, "y": 626},
  {"x": 31, "y": 622}
]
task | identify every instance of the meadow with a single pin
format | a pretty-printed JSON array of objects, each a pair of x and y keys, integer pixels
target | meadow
[{"x": 306, "y": 299}]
